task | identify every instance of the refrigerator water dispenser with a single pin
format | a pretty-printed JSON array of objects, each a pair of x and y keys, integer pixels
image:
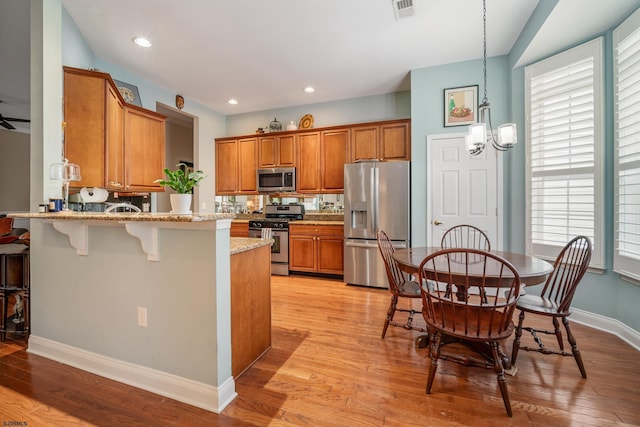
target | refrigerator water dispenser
[{"x": 358, "y": 215}]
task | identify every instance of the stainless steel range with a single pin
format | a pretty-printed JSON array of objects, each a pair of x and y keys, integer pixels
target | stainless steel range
[{"x": 277, "y": 218}]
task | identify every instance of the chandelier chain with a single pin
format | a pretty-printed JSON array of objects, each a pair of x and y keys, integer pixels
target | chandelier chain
[{"x": 484, "y": 41}]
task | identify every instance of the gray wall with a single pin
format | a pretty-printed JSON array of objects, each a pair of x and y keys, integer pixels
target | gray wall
[
  {"x": 14, "y": 171},
  {"x": 90, "y": 302}
]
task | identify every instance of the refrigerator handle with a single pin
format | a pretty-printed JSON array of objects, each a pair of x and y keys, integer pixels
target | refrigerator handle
[{"x": 374, "y": 200}]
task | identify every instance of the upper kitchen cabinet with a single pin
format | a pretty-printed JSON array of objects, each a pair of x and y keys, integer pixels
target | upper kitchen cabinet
[
  {"x": 236, "y": 164},
  {"x": 384, "y": 141},
  {"x": 118, "y": 146},
  {"x": 321, "y": 159},
  {"x": 93, "y": 114},
  {"x": 276, "y": 151},
  {"x": 144, "y": 139}
]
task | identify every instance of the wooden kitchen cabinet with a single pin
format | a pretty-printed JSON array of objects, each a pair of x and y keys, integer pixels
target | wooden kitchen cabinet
[
  {"x": 384, "y": 141},
  {"x": 318, "y": 155},
  {"x": 227, "y": 166},
  {"x": 118, "y": 146},
  {"x": 247, "y": 165},
  {"x": 321, "y": 159},
  {"x": 236, "y": 164},
  {"x": 308, "y": 172},
  {"x": 143, "y": 149},
  {"x": 276, "y": 151},
  {"x": 316, "y": 248},
  {"x": 250, "y": 307},
  {"x": 239, "y": 229},
  {"x": 114, "y": 152},
  {"x": 89, "y": 105}
]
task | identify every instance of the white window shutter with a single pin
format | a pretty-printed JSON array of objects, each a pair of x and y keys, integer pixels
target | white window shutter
[
  {"x": 626, "y": 45},
  {"x": 564, "y": 151}
]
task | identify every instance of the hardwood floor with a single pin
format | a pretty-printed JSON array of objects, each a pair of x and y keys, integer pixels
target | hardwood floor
[{"x": 329, "y": 367}]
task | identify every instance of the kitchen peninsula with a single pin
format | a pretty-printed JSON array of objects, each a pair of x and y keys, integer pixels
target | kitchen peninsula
[{"x": 142, "y": 298}]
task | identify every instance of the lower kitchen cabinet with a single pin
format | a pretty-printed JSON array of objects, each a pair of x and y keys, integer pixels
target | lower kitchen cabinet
[
  {"x": 250, "y": 307},
  {"x": 239, "y": 228},
  {"x": 316, "y": 248}
]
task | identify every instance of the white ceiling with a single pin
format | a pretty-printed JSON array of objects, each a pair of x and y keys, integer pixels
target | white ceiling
[{"x": 263, "y": 53}]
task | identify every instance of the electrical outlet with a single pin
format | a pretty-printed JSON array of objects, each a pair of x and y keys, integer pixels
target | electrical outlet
[{"x": 142, "y": 317}]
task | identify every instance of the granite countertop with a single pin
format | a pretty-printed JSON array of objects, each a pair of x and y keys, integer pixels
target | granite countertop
[
  {"x": 125, "y": 216},
  {"x": 242, "y": 244}
]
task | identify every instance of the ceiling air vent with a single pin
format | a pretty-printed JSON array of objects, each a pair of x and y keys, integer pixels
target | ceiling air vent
[{"x": 402, "y": 8}]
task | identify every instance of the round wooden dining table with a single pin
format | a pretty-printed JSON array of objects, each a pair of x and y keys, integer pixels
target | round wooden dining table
[{"x": 532, "y": 270}]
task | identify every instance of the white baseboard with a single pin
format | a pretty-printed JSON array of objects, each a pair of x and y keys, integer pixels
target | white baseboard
[
  {"x": 613, "y": 326},
  {"x": 195, "y": 393}
]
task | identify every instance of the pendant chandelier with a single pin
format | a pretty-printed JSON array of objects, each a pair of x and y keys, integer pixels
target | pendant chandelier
[{"x": 481, "y": 133}]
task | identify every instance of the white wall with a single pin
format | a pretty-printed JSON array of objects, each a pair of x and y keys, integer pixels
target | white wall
[{"x": 347, "y": 111}]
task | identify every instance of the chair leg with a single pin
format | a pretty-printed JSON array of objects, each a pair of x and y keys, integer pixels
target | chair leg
[
  {"x": 502, "y": 382},
  {"x": 558, "y": 332},
  {"x": 574, "y": 347},
  {"x": 434, "y": 355},
  {"x": 516, "y": 340},
  {"x": 390, "y": 313}
]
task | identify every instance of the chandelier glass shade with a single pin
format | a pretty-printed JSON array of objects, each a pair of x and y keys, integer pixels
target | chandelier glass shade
[{"x": 65, "y": 172}]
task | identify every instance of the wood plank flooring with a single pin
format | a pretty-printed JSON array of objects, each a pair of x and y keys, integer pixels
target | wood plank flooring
[{"x": 329, "y": 367}]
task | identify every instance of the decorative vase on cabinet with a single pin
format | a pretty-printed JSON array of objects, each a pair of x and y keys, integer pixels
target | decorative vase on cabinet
[{"x": 275, "y": 126}]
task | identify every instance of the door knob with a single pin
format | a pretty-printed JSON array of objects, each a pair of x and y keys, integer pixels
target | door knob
[{"x": 436, "y": 222}]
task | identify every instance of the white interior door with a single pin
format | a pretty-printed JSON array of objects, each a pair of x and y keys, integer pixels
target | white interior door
[{"x": 463, "y": 189}]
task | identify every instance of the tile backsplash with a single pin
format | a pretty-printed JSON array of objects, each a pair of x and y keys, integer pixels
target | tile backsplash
[{"x": 321, "y": 203}]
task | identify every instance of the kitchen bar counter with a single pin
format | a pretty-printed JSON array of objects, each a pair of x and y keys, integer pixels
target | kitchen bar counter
[
  {"x": 125, "y": 216},
  {"x": 144, "y": 226},
  {"x": 152, "y": 311}
]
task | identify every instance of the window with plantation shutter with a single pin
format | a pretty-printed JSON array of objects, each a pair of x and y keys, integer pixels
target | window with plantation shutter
[
  {"x": 564, "y": 151},
  {"x": 626, "y": 65}
]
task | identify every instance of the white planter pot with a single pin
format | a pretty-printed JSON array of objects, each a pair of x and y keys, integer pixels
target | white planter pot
[{"x": 180, "y": 203}]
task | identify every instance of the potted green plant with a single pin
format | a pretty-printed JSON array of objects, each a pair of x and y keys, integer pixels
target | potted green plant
[{"x": 181, "y": 180}]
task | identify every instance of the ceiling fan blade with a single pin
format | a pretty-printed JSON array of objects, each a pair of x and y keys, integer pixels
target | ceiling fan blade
[
  {"x": 7, "y": 125},
  {"x": 4, "y": 122}
]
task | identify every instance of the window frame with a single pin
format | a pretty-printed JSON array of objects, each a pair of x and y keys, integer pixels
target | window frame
[
  {"x": 627, "y": 267},
  {"x": 594, "y": 49}
]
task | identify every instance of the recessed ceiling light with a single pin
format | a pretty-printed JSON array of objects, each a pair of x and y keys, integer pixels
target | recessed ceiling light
[
  {"x": 233, "y": 101},
  {"x": 141, "y": 41},
  {"x": 309, "y": 89}
]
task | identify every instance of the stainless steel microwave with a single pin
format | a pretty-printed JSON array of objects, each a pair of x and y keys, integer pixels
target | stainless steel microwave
[{"x": 276, "y": 180}]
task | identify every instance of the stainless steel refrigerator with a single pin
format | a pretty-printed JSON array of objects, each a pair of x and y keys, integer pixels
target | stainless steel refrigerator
[{"x": 376, "y": 197}]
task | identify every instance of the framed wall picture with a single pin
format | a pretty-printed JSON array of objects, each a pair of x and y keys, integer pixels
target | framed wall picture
[
  {"x": 461, "y": 106},
  {"x": 129, "y": 92}
]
